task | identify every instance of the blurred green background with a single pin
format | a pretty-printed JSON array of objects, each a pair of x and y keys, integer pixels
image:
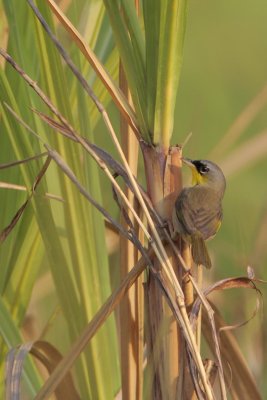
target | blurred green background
[{"x": 224, "y": 69}]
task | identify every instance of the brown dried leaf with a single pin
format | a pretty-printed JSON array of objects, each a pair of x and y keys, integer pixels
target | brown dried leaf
[
  {"x": 239, "y": 379},
  {"x": 238, "y": 325},
  {"x": 6, "y": 231},
  {"x": 228, "y": 283},
  {"x": 49, "y": 356},
  {"x": 97, "y": 321},
  {"x": 65, "y": 130}
]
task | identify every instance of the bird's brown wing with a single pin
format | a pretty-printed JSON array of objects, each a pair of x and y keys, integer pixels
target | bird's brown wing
[{"x": 198, "y": 213}]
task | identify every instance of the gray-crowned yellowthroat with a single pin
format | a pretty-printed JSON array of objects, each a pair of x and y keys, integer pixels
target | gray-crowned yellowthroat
[{"x": 198, "y": 213}]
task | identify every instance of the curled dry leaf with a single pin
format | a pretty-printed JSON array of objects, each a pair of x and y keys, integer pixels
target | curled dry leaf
[
  {"x": 228, "y": 283},
  {"x": 49, "y": 356},
  {"x": 14, "y": 366}
]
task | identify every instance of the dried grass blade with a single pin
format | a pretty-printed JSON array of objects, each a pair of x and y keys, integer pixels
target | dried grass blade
[
  {"x": 101, "y": 153},
  {"x": 14, "y": 367},
  {"x": 66, "y": 169},
  {"x": 130, "y": 310},
  {"x": 241, "y": 383},
  {"x": 49, "y": 356},
  {"x": 65, "y": 130},
  {"x": 100, "y": 317},
  {"x": 24, "y": 161},
  {"x": 179, "y": 312},
  {"x": 73, "y": 68},
  {"x": 114, "y": 91},
  {"x": 88, "y": 147},
  {"x": 34, "y": 86},
  {"x": 6, "y": 231},
  {"x": 240, "y": 324},
  {"x": 228, "y": 283},
  {"x": 194, "y": 318},
  {"x": 67, "y": 125},
  {"x": 77, "y": 137},
  {"x": 13, "y": 186}
]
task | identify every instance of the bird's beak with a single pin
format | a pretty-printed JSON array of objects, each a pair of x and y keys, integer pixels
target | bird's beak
[{"x": 188, "y": 162}]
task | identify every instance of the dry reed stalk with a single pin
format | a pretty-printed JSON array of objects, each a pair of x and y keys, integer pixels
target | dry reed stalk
[
  {"x": 97, "y": 321},
  {"x": 163, "y": 173},
  {"x": 177, "y": 302},
  {"x": 131, "y": 307},
  {"x": 239, "y": 380}
]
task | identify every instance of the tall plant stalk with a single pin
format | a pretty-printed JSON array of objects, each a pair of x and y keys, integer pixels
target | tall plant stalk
[
  {"x": 131, "y": 307},
  {"x": 164, "y": 181}
]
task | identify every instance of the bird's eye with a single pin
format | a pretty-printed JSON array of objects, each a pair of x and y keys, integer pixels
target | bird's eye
[{"x": 203, "y": 169}]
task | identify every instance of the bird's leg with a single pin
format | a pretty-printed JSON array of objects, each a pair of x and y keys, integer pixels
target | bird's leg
[
  {"x": 199, "y": 283},
  {"x": 172, "y": 230}
]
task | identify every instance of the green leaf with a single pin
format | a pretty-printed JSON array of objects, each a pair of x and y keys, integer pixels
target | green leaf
[
  {"x": 130, "y": 42},
  {"x": 152, "y": 11},
  {"x": 72, "y": 232},
  {"x": 171, "y": 40}
]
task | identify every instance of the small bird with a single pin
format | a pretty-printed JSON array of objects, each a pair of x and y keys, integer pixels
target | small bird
[{"x": 197, "y": 214}]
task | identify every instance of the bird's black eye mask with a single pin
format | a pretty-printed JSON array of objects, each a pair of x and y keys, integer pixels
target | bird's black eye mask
[{"x": 201, "y": 167}]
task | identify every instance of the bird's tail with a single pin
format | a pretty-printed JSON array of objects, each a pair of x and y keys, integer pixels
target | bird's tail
[{"x": 200, "y": 252}]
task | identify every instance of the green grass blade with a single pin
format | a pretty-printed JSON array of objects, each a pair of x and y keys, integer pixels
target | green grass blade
[
  {"x": 171, "y": 40},
  {"x": 72, "y": 232},
  {"x": 22, "y": 252},
  {"x": 152, "y": 29},
  {"x": 130, "y": 49}
]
